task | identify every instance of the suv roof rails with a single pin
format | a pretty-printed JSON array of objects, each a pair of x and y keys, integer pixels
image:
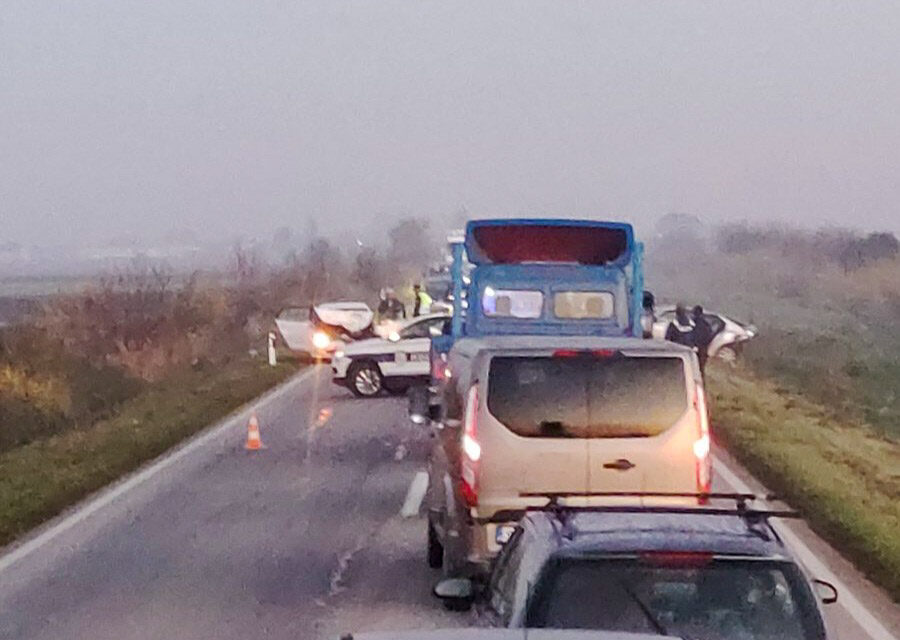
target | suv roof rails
[{"x": 563, "y": 511}]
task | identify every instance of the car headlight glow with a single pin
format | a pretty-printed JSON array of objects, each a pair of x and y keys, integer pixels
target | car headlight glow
[{"x": 321, "y": 340}]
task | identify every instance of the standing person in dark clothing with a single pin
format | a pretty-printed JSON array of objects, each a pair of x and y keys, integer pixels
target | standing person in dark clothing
[
  {"x": 394, "y": 309},
  {"x": 648, "y": 317},
  {"x": 703, "y": 335},
  {"x": 681, "y": 329},
  {"x": 382, "y": 304}
]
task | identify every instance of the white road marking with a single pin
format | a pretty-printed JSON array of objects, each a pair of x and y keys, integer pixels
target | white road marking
[
  {"x": 92, "y": 506},
  {"x": 415, "y": 495},
  {"x": 847, "y": 600}
]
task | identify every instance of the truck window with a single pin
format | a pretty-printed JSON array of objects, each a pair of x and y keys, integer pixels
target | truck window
[
  {"x": 580, "y": 305},
  {"x": 512, "y": 303},
  {"x": 587, "y": 396}
]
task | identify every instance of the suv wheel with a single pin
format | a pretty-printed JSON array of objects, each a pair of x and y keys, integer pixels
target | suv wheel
[
  {"x": 435, "y": 548},
  {"x": 366, "y": 380}
]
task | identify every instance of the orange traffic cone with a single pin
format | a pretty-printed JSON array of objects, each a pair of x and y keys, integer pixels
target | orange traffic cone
[{"x": 254, "y": 442}]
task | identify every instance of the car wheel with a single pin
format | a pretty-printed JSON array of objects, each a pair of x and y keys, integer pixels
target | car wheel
[
  {"x": 435, "y": 548},
  {"x": 366, "y": 380}
]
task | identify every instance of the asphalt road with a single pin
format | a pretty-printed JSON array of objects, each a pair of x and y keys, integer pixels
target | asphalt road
[{"x": 303, "y": 539}]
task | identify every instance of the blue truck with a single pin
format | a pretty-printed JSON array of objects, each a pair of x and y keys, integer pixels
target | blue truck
[{"x": 544, "y": 277}]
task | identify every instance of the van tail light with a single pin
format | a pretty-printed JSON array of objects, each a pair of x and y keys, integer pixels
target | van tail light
[
  {"x": 703, "y": 444},
  {"x": 471, "y": 450}
]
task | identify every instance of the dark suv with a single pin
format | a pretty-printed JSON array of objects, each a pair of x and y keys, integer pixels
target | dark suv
[{"x": 707, "y": 573}]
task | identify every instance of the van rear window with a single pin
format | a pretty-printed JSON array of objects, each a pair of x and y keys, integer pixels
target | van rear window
[{"x": 587, "y": 396}]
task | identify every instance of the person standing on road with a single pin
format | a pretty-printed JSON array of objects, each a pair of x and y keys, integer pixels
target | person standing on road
[
  {"x": 648, "y": 317},
  {"x": 681, "y": 329},
  {"x": 382, "y": 304},
  {"x": 391, "y": 308},
  {"x": 703, "y": 335},
  {"x": 422, "y": 303}
]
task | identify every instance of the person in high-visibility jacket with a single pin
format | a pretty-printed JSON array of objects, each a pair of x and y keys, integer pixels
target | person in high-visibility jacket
[{"x": 422, "y": 303}]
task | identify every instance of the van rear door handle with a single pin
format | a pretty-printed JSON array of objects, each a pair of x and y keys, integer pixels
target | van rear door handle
[{"x": 619, "y": 465}]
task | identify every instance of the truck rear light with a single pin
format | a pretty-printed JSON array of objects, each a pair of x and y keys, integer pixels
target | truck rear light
[
  {"x": 471, "y": 450},
  {"x": 440, "y": 368}
]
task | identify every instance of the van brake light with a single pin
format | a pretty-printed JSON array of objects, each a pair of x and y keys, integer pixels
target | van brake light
[
  {"x": 470, "y": 435},
  {"x": 471, "y": 450},
  {"x": 702, "y": 444}
]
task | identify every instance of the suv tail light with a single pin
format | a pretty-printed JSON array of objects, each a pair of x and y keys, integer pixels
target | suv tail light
[
  {"x": 684, "y": 559},
  {"x": 702, "y": 444},
  {"x": 471, "y": 450}
]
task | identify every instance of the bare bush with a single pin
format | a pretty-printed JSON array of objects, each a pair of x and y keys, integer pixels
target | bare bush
[{"x": 135, "y": 319}]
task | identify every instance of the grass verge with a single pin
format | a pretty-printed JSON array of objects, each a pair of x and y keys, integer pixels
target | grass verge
[
  {"x": 39, "y": 480},
  {"x": 845, "y": 476}
]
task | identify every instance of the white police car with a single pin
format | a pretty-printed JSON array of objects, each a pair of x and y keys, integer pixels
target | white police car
[{"x": 367, "y": 367}]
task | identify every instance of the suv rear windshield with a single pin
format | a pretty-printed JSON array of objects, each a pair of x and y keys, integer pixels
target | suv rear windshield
[
  {"x": 586, "y": 396},
  {"x": 724, "y": 600}
]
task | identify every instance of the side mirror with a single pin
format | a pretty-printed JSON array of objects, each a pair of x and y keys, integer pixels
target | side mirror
[
  {"x": 456, "y": 593},
  {"x": 393, "y": 336},
  {"x": 435, "y": 331},
  {"x": 419, "y": 410},
  {"x": 826, "y": 591}
]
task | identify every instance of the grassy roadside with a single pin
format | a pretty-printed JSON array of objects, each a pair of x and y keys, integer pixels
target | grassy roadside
[
  {"x": 844, "y": 475},
  {"x": 40, "y": 479}
]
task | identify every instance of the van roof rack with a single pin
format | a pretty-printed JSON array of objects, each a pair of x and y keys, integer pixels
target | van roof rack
[{"x": 553, "y": 505}]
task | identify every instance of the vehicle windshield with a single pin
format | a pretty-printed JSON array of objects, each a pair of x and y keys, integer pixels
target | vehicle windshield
[
  {"x": 722, "y": 600},
  {"x": 587, "y": 397}
]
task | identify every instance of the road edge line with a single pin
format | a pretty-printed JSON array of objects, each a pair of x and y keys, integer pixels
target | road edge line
[
  {"x": 105, "y": 496},
  {"x": 850, "y": 603}
]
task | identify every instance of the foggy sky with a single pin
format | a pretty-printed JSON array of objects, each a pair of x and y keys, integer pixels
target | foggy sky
[{"x": 227, "y": 116}]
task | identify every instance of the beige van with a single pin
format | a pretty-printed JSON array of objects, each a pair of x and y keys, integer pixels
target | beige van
[{"x": 537, "y": 414}]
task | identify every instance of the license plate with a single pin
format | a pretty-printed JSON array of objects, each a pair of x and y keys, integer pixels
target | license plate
[{"x": 504, "y": 533}]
